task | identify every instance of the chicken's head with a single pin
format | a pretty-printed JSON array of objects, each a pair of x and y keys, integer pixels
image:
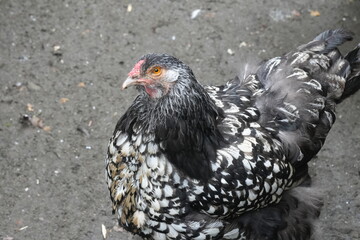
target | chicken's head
[{"x": 157, "y": 74}]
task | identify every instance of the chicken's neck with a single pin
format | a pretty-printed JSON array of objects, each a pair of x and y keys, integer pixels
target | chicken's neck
[{"x": 185, "y": 125}]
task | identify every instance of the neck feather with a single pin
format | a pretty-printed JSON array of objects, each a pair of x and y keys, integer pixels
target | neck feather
[{"x": 185, "y": 125}]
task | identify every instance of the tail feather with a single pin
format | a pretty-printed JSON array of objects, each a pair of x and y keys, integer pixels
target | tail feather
[
  {"x": 327, "y": 41},
  {"x": 335, "y": 37},
  {"x": 352, "y": 84}
]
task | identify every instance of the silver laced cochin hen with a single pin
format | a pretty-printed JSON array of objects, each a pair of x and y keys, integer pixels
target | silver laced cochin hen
[{"x": 227, "y": 162}]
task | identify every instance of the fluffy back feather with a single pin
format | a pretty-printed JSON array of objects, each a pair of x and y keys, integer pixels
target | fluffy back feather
[{"x": 301, "y": 91}]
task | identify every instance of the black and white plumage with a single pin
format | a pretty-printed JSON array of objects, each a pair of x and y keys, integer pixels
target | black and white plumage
[{"x": 227, "y": 162}]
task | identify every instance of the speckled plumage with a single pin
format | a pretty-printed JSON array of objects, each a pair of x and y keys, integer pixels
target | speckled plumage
[{"x": 228, "y": 162}]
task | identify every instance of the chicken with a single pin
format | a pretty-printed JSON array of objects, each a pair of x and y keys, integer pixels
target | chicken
[{"x": 188, "y": 161}]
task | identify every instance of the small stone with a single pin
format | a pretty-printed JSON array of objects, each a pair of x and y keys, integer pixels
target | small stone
[
  {"x": 33, "y": 86},
  {"x": 230, "y": 51},
  {"x": 47, "y": 128},
  {"x": 57, "y": 51},
  {"x": 195, "y": 13},
  {"x": 104, "y": 231},
  {"x": 57, "y": 48},
  {"x": 295, "y": 13},
  {"x": 243, "y": 44},
  {"x": 30, "y": 107},
  {"x": 63, "y": 100},
  {"x": 81, "y": 84},
  {"x": 314, "y": 13},
  {"x": 23, "y": 228},
  {"x": 129, "y": 8}
]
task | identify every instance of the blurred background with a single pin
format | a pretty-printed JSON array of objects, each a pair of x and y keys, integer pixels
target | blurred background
[{"x": 61, "y": 67}]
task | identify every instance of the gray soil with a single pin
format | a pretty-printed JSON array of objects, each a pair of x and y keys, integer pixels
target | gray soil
[{"x": 64, "y": 62}]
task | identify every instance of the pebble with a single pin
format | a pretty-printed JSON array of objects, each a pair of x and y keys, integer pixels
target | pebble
[
  {"x": 195, "y": 13},
  {"x": 33, "y": 86},
  {"x": 230, "y": 51}
]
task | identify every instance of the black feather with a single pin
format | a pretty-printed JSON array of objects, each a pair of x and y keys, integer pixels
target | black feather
[
  {"x": 190, "y": 137},
  {"x": 291, "y": 218},
  {"x": 352, "y": 84}
]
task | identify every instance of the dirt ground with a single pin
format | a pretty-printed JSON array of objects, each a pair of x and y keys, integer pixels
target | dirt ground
[{"x": 64, "y": 61}]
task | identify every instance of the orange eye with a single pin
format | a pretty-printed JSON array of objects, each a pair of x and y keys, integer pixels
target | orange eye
[{"x": 156, "y": 71}]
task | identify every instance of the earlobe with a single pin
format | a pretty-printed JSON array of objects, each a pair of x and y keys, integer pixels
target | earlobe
[{"x": 171, "y": 75}]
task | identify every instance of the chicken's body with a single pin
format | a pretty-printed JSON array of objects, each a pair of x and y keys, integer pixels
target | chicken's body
[{"x": 226, "y": 162}]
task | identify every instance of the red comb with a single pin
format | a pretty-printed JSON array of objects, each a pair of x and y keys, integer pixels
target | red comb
[{"x": 136, "y": 70}]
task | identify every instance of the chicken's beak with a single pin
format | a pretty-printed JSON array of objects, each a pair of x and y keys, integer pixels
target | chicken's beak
[
  {"x": 129, "y": 81},
  {"x": 135, "y": 81}
]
